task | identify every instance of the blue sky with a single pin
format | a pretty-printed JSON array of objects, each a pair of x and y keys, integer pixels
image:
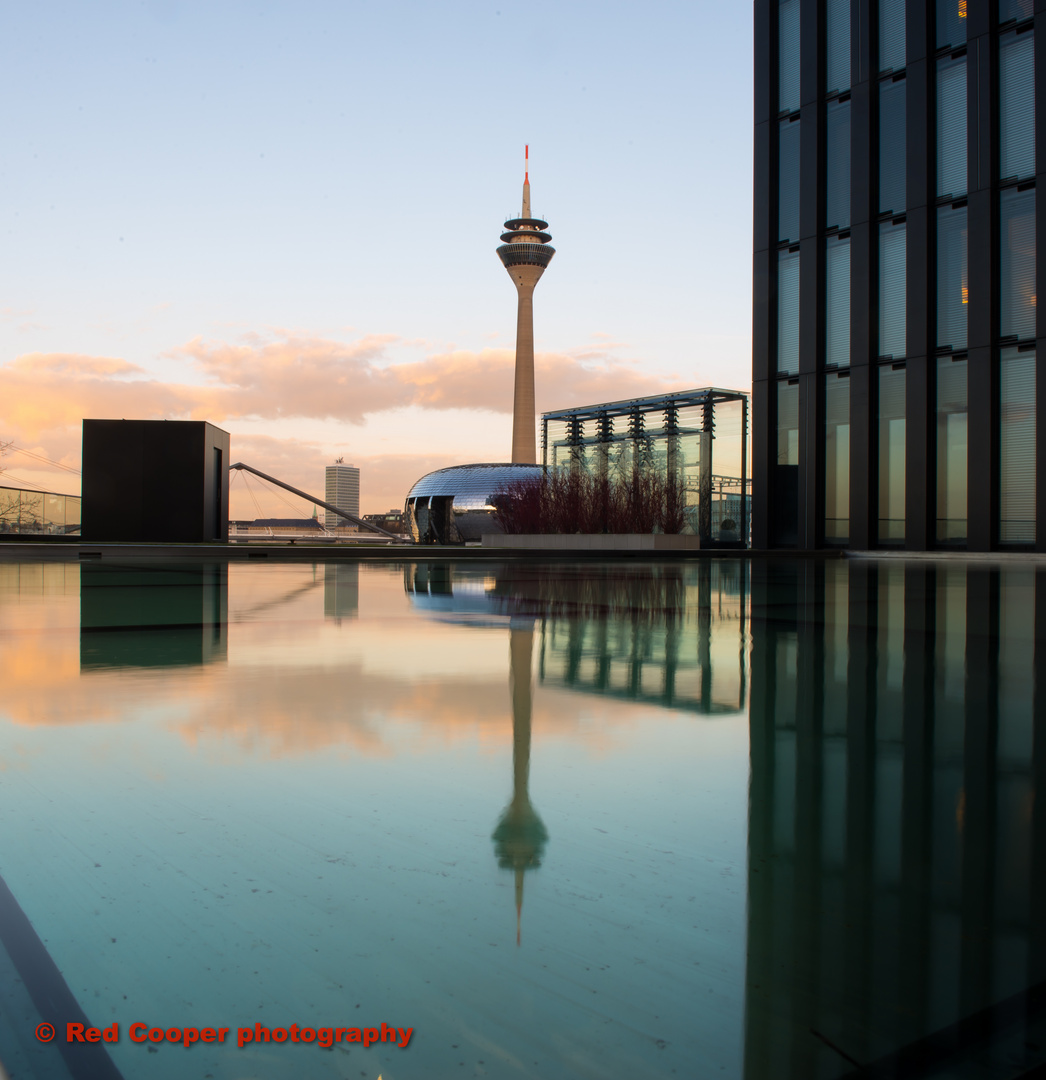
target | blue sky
[{"x": 299, "y": 190}]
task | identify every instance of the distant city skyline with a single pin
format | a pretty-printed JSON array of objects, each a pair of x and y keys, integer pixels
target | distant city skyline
[{"x": 278, "y": 219}]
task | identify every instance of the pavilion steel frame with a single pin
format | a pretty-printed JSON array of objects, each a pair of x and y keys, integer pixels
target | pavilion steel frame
[{"x": 587, "y": 436}]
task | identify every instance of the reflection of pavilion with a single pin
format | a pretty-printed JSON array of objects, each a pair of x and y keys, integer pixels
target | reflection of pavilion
[
  {"x": 646, "y": 634},
  {"x": 897, "y": 850},
  {"x": 672, "y": 635}
]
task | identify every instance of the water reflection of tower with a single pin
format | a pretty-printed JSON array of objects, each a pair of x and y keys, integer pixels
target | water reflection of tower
[
  {"x": 520, "y": 838},
  {"x": 461, "y": 597},
  {"x": 525, "y": 252}
]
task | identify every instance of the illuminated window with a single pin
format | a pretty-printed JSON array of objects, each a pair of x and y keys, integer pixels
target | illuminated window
[
  {"x": 1017, "y": 263},
  {"x": 951, "y": 23},
  {"x": 952, "y": 287}
]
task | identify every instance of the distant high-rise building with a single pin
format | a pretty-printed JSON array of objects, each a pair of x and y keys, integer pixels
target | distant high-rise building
[
  {"x": 525, "y": 253},
  {"x": 343, "y": 491}
]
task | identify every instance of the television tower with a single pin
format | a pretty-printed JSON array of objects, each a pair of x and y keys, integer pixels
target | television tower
[{"x": 525, "y": 253}]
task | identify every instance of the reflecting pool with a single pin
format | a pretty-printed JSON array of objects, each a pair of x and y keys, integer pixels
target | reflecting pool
[{"x": 702, "y": 819}]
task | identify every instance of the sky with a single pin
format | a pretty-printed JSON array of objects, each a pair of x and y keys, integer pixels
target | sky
[{"x": 282, "y": 218}]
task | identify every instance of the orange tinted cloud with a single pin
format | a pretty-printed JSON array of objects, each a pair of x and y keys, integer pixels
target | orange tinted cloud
[
  {"x": 321, "y": 379},
  {"x": 312, "y": 378},
  {"x": 48, "y": 392},
  {"x": 286, "y": 376},
  {"x": 225, "y": 711}
]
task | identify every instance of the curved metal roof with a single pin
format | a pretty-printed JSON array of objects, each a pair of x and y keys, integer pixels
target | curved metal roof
[{"x": 479, "y": 480}]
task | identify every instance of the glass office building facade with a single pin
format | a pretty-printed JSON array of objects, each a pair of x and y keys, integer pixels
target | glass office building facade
[{"x": 895, "y": 399}]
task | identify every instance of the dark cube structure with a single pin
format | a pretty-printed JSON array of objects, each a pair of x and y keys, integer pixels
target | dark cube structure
[{"x": 160, "y": 481}]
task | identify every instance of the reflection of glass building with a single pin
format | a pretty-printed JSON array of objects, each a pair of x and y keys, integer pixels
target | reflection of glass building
[
  {"x": 895, "y": 331},
  {"x": 25, "y": 511},
  {"x": 897, "y": 850},
  {"x": 451, "y": 506},
  {"x": 698, "y": 438}
]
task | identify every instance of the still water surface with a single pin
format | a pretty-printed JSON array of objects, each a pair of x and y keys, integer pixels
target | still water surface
[{"x": 702, "y": 820}]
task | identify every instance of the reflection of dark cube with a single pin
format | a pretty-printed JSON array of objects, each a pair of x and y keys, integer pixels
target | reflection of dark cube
[
  {"x": 152, "y": 615},
  {"x": 155, "y": 480}
]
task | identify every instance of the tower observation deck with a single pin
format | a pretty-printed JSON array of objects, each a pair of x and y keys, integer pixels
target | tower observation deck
[{"x": 525, "y": 252}]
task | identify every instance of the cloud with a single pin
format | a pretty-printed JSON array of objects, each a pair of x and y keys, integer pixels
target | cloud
[
  {"x": 226, "y": 711},
  {"x": 300, "y": 376},
  {"x": 74, "y": 365},
  {"x": 303, "y": 377},
  {"x": 289, "y": 376},
  {"x": 49, "y": 392}
]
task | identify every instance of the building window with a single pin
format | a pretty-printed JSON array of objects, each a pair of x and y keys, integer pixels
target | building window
[
  {"x": 788, "y": 56},
  {"x": 891, "y": 454},
  {"x": 785, "y": 527},
  {"x": 951, "y": 23},
  {"x": 788, "y": 423},
  {"x": 1017, "y": 263},
  {"x": 837, "y": 301},
  {"x": 951, "y": 450},
  {"x": 1017, "y": 446},
  {"x": 892, "y": 289},
  {"x": 837, "y": 46},
  {"x": 951, "y": 126},
  {"x": 837, "y": 458},
  {"x": 1016, "y": 106},
  {"x": 837, "y": 156},
  {"x": 788, "y": 180},
  {"x": 891, "y": 35},
  {"x": 892, "y": 93},
  {"x": 788, "y": 311},
  {"x": 1015, "y": 9},
  {"x": 952, "y": 290}
]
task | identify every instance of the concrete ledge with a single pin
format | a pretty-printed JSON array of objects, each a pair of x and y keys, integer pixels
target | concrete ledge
[{"x": 594, "y": 542}]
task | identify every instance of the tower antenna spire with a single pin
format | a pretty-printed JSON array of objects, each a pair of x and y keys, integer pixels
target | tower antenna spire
[{"x": 526, "y": 182}]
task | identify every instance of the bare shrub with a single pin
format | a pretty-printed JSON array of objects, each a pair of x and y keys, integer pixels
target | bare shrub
[{"x": 571, "y": 501}]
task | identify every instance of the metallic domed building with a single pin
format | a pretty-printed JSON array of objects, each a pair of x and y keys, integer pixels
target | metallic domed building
[{"x": 455, "y": 505}]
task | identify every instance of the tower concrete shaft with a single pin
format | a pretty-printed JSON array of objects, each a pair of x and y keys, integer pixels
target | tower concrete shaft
[{"x": 525, "y": 252}]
